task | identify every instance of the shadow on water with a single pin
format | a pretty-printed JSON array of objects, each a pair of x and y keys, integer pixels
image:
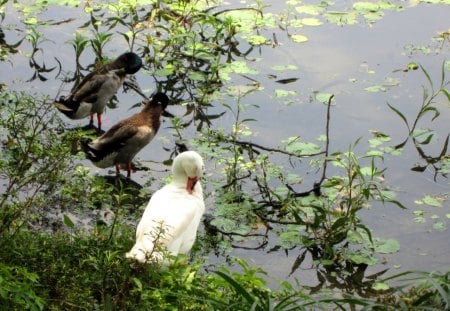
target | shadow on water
[{"x": 185, "y": 53}]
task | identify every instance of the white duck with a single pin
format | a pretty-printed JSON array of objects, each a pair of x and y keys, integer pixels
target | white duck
[{"x": 171, "y": 218}]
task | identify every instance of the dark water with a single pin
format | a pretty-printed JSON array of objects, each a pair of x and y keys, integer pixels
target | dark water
[{"x": 338, "y": 60}]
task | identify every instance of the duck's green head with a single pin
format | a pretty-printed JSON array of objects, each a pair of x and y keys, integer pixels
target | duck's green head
[{"x": 129, "y": 61}]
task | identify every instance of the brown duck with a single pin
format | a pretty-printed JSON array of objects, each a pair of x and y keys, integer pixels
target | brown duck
[{"x": 124, "y": 140}]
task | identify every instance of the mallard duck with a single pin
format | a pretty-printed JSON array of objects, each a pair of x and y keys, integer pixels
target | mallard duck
[
  {"x": 97, "y": 88},
  {"x": 171, "y": 219},
  {"x": 124, "y": 140}
]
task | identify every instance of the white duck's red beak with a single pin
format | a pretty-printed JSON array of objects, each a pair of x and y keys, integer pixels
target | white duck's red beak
[{"x": 191, "y": 184}]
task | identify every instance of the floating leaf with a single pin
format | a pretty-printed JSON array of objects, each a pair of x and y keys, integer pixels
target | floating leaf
[
  {"x": 375, "y": 89},
  {"x": 380, "y": 286},
  {"x": 388, "y": 246},
  {"x": 240, "y": 67},
  {"x": 432, "y": 201},
  {"x": 420, "y": 219},
  {"x": 302, "y": 148},
  {"x": 412, "y": 66},
  {"x": 439, "y": 226},
  {"x": 283, "y": 93},
  {"x": 299, "y": 38},
  {"x": 366, "y": 6},
  {"x": 323, "y": 97},
  {"x": 360, "y": 257},
  {"x": 295, "y": 23},
  {"x": 342, "y": 18},
  {"x": 257, "y": 40}
]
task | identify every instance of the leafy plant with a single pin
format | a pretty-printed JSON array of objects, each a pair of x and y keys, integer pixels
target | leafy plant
[
  {"x": 17, "y": 289},
  {"x": 422, "y": 137}
]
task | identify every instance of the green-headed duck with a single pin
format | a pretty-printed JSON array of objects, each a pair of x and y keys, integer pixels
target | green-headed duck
[{"x": 97, "y": 88}]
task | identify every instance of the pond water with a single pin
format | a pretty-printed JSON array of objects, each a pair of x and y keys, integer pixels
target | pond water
[{"x": 341, "y": 60}]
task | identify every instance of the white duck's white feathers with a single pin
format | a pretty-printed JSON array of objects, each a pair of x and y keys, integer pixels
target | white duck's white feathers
[{"x": 171, "y": 218}]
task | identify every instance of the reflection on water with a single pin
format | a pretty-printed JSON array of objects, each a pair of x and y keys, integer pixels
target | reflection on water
[{"x": 344, "y": 61}]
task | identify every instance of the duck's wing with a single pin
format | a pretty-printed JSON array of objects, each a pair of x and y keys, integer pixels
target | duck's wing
[
  {"x": 87, "y": 90},
  {"x": 112, "y": 141},
  {"x": 168, "y": 215}
]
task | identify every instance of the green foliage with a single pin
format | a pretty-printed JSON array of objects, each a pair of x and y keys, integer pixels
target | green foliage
[
  {"x": 17, "y": 289},
  {"x": 191, "y": 49},
  {"x": 31, "y": 161}
]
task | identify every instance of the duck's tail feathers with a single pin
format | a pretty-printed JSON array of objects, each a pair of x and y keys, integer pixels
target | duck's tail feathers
[
  {"x": 137, "y": 254},
  {"x": 64, "y": 104},
  {"x": 91, "y": 153}
]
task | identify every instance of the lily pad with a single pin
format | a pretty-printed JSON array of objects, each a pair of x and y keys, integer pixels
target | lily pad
[
  {"x": 363, "y": 257},
  {"x": 342, "y": 18},
  {"x": 430, "y": 200},
  {"x": 375, "y": 89},
  {"x": 380, "y": 286},
  {"x": 299, "y": 147},
  {"x": 439, "y": 226},
  {"x": 257, "y": 40},
  {"x": 323, "y": 97},
  {"x": 388, "y": 246},
  {"x": 283, "y": 93},
  {"x": 299, "y": 38},
  {"x": 366, "y": 6},
  {"x": 311, "y": 21}
]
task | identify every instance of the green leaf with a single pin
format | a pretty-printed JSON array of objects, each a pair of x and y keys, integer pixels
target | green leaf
[
  {"x": 166, "y": 71},
  {"x": 138, "y": 283},
  {"x": 380, "y": 286},
  {"x": 302, "y": 148},
  {"x": 342, "y": 18},
  {"x": 388, "y": 246},
  {"x": 324, "y": 97},
  {"x": 283, "y": 93},
  {"x": 439, "y": 226},
  {"x": 375, "y": 89},
  {"x": 257, "y": 40},
  {"x": 197, "y": 76},
  {"x": 412, "y": 66},
  {"x": 299, "y": 38},
  {"x": 365, "y": 6},
  {"x": 363, "y": 257},
  {"x": 432, "y": 201},
  {"x": 420, "y": 219},
  {"x": 311, "y": 21},
  {"x": 237, "y": 287},
  {"x": 68, "y": 222},
  {"x": 399, "y": 114}
]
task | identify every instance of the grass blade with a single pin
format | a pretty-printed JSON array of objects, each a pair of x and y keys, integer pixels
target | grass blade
[{"x": 237, "y": 287}]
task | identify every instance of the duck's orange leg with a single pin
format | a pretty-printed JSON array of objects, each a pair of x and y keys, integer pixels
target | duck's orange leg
[
  {"x": 99, "y": 120},
  {"x": 129, "y": 167}
]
